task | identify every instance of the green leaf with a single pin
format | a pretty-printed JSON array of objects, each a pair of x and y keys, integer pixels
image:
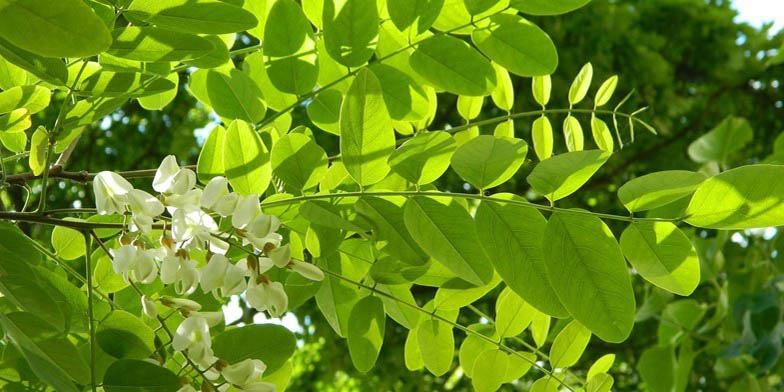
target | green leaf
[
  {"x": 606, "y": 91},
  {"x": 518, "y": 366},
  {"x": 39, "y": 143},
  {"x": 573, "y": 134},
  {"x": 160, "y": 100},
  {"x": 504, "y": 129},
  {"x": 134, "y": 375},
  {"x": 457, "y": 293},
  {"x": 473, "y": 345},
  {"x": 329, "y": 215},
  {"x": 580, "y": 84},
  {"x": 586, "y": 268},
  {"x": 324, "y": 110},
  {"x": 658, "y": 189},
  {"x": 569, "y": 345},
  {"x": 366, "y": 135},
  {"x": 52, "y": 70},
  {"x": 402, "y": 314},
  {"x": 451, "y": 64},
  {"x": 437, "y": 345},
  {"x": 32, "y": 98},
  {"x": 50, "y": 355},
  {"x": 541, "y": 87},
  {"x": 547, "y": 7},
  {"x": 545, "y": 384},
  {"x": 443, "y": 229},
  {"x": 417, "y": 14},
  {"x": 386, "y": 216},
  {"x": 350, "y": 30},
  {"x": 273, "y": 344},
  {"x": 68, "y": 243},
  {"x": 718, "y": 145},
  {"x": 512, "y": 236},
  {"x": 246, "y": 160},
  {"x": 563, "y": 174},
  {"x": 194, "y": 16},
  {"x": 124, "y": 335},
  {"x": 540, "y": 327},
  {"x": 298, "y": 161},
  {"x": 490, "y": 370},
  {"x": 405, "y": 99},
  {"x": 663, "y": 255},
  {"x": 469, "y": 107},
  {"x": 255, "y": 66},
  {"x": 116, "y": 84},
  {"x": 657, "y": 368},
  {"x": 291, "y": 52},
  {"x": 602, "y": 365},
  {"x": 210, "y": 163},
  {"x": 15, "y": 122},
  {"x": 503, "y": 93},
  {"x": 601, "y": 134},
  {"x": 230, "y": 92},
  {"x": 148, "y": 43},
  {"x": 742, "y": 198},
  {"x": 423, "y": 158},
  {"x": 336, "y": 298},
  {"x": 601, "y": 383},
  {"x": 366, "y": 332},
  {"x": 116, "y": 64},
  {"x": 542, "y": 136},
  {"x": 14, "y": 141},
  {"x": 517, "y": 45},
  {"x": 512, "y": 314},
  {"x": 488, "y": 161},
  {"x": 66, "y": 28}
]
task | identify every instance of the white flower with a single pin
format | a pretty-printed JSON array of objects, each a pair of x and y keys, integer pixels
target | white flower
[
  {"x": 307, "y": 270},
  {"x": 145, "y": 270},
  {"x": 233, "y": 281},
  {"x": 245, "y": 372},
  {"x": 188, "y": 222},
  {"x": 260, "y": 387},
  {"x": 171, "y": 179},
  {"x": 170, "y": 267},
  {"x": 149, "y": 307},
  {"x": 180, "y": 303},
  {"x": 268, "y": 296},
  {"x": 213, "y": 273},
  {"x": 248, "y": 208},
  {"x": 143, "y": 203},
  {"x": 187, "y": 278},
  {"x": 264, "y": 225},
  {"x": 111, "y": 192},
  {"x": 190, "y": 199},
  {"x": 261, "y": 242},
  {"x": 124, "y": 259},
  {"x": 226, "y": 205},
  {"x": 265, "y": 263},
  {"x": 191, "y": 332},
  {"x": 213, "y": 318},
  {"x": 281, "y": 256},
  {"x": 216, "y": 189}
]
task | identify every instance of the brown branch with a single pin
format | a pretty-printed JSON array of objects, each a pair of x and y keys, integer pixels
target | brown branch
[{"x": 80, "y": 176}]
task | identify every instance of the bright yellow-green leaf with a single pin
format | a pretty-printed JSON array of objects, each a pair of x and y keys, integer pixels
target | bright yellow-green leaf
[
  {"x": 504, "y": 129},
  {"x": 68, "y": 243},
  {"x": 474, "y": 345},
  {"x": 117, "y": 84},
  {"x": 718, "y": 145},
  {"x": 581, "y": 84},
  {"x": 517, "y": 44},
  {"x": 405, "y": 99},
  {"x": 452, "y": 65},
  {"x": 540, "y": 327},
  {"x": 490, "y": 370},
  {"x": 512, "y": 314},
  {"x": 606, "y": 91},
  {"x": 255, "y": 66},
  {"x": 210, "y": 163},
  {"x": 246, "y": 160},
  {"x": 194, "y": 16},
  {"x": 569, "y": 345},
  {"x": 32, "y": 98},
  {"x": 160, "y": 100},
  {"x": 52, "y": 70},
  {"x": 436, "y": 345},
  {"x": 16, "y": 121},
  {"x": 542, "y": 136},
  {"x": 386, "y": 215},
  {"x": 547, "y": 7},
  {"x": 324, "y": 110},
  {"x": 503, "y": 93},
  {"x": 366, "y": 332},
  {"x": 601, "y": 134},
  {"x": 469, "y": 107},
  {"x": 658, "y": 189},
  {"x": 148, "y": 43},
  {"x": 602, "y": 365},
  {"x": 488, "y": 161},
  {"x": 350, "y": 30},
  {"x": 573, "y": 134},
  {"x": 563, "y": 174},
  {"x": 39, "y": 143},
  {"x": 423, "y": 158},
  {"x": 123, "y": 335},
  {"x": 602, "y": 382},
  {"x": 298, "y": 161},
  {"x": 230, "y": 92},
  {"x": 541, "y": 86}
]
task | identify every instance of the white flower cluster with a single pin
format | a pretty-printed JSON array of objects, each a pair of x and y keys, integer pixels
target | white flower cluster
[{"x": 193, "y": 213}]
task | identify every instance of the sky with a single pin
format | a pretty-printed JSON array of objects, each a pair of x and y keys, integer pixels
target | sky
[{"x": 757, "y": 12}]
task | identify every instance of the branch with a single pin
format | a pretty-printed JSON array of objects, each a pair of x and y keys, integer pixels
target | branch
[{"x": 80, "y": 176}]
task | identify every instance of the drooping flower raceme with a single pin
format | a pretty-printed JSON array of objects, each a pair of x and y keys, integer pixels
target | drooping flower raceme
[{"x": 192, "y": 253}]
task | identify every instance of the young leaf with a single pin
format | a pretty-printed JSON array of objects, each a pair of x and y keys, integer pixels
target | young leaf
[
  {"x": 569, "y": 345},
  {"x": 541, "y": 86},
  {"x": 194, "y": 16},
  {"x": 488, "y": 161},
  {"x": 580, "y": 84},
  {"x": 517, "y": 44},
  {"x": 246, "y": 160},
  {"x": 210, "y": 163},
  {"x": 606, "y": 91},
  {"x": 39, "y": 143},
  {"x": 512, "y": 236},
  {"x": 445, "y": 232},
  {"x": 469, "y": 107},
  {"x": 503, "y": 93},
  {"x": 545, "y": 384},
  {"x": 366, "y": 332},
  {"x": 32, "y": 98},
  {"x": 386, "y": 216},
  {"x": 15, "y": 122},
  {"x": 512, "y": 314},
  {"x": 366, "y": 135},
  {"x": 581, "y": 248},
  {"x": 273, "y": 344},
  {"x": 148, "y": 43},
  {"x": 663, "y": 255},
  {"x": 658, "y": 189},
  {"x": 68, "y": 243},
  {"x": 602, "y": 365},
  {"x": 423, "y": 158},
  {"x": 504, "y": 129},
  {"x": 137, "y": 375},
  {"x": 573, "y": 134},
  {"x": 473, "y": 345},
  {"x": 540, "y": 327},
  {"x": 601, "y": 134},
  {"x": 436, "y": 345},
  {"x": 563, "y": 174},
  {"x": 452, "y": 65},
  {"x": 66, "y": 28},
  {"x": 740, "y": 198},
  {"x": 542, "y": 136},
  {"x": 298, "y": 161},
  {"x": 350, "y": 30},
  {"x": 123, "y": 335},
  {"x": 490, "y": 370}
]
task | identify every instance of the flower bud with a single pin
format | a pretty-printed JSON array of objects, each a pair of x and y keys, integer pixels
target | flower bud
[
  {"x": 149, "y": 307},
  {"x": 307, "y": 270},
  {"x": 180, "y": 303},
  {"x": 213, "y": 318}
]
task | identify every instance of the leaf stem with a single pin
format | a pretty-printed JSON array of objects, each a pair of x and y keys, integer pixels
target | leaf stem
[{"x": 91, "y": 318}]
